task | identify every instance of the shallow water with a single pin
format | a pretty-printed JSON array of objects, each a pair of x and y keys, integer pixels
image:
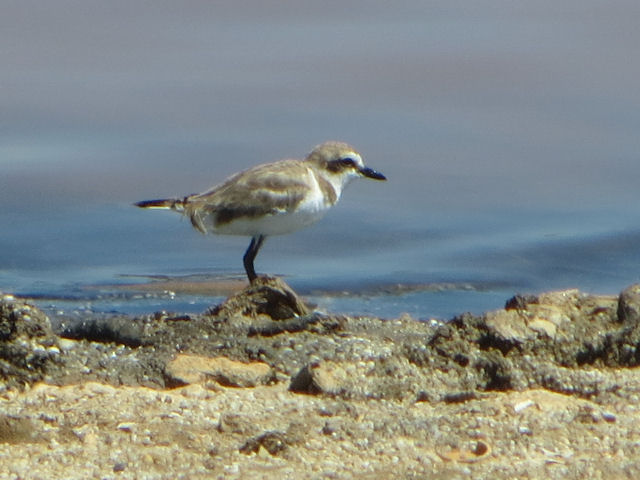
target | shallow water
[{"x": 508, "y": 133}]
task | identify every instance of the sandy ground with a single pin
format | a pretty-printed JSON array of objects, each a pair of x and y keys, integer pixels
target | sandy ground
[{"x": 98, "y": 431}]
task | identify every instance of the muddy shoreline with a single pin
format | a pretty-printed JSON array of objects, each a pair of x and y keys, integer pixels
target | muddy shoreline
[{"x": 261, "y": 387}]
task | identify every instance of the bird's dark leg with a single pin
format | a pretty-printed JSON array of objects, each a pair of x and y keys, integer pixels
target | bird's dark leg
[{"x": 250, "y": 255}]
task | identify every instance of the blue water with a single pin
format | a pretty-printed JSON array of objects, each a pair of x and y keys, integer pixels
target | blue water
[{"x": 508, "y": 132}]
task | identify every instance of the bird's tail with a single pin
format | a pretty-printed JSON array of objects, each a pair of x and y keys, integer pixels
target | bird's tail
[{"x": 176, "y": 204}]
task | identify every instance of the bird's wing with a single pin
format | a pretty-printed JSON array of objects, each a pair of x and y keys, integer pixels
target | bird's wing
[{"x": 267, "y": 189}]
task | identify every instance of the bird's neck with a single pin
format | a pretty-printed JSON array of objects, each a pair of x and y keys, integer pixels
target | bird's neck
[{"x": 329, "y": 185}]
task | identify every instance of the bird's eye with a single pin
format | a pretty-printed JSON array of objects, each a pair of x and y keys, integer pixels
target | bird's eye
[
  {"x": 341, "y": 164},
  {"x": 347, "y": 162}
]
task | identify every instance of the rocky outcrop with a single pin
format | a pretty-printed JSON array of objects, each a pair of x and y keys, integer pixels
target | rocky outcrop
[
  {"x": 556, "y": 341},
  {"x": 550, "y": 381},
  {"x": 28, "y": 347}
]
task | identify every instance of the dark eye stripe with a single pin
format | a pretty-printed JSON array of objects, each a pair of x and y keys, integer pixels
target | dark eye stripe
[{"x": 340, "y": 164}]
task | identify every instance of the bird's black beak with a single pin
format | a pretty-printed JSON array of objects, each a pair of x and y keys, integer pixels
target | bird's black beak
[{"x": 371, "y": 173}]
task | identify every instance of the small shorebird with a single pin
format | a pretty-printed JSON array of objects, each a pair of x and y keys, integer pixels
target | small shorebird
[{"x": 273, "y": 198}]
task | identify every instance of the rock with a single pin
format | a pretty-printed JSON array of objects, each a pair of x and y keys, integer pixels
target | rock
[
  {"x": 107, "y": 329},
  {"x": 273, "y": 442},
  {"x": 566, "y": 299},
  {"x": 28, "y": 346},
  {"x": 15, "y": 429},
  {"x": 268, "y": 296},
  {"x": 508, "y": 327},
  {"x": 520, "y": 302},
  {"x": 629, "y": 305},
  {"x": 186, "y": 369},
  {"x": 327, "y": 377},
  {"x": 19, "y": 319},
  {"x": 303, "y": 381},
  {"x": 236, "y": 424},
  {"x": 546, "y": 327},
  {"x": 377, "y": 377}
]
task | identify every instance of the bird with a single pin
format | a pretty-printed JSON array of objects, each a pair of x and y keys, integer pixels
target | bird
[{"x": 272, "y": 198}]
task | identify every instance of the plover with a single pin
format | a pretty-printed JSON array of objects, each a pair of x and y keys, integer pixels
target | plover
[{"x": 273, "y": 198}]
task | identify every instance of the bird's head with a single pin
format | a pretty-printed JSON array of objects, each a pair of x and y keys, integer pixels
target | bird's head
[{"x": 340, "y": 163}]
